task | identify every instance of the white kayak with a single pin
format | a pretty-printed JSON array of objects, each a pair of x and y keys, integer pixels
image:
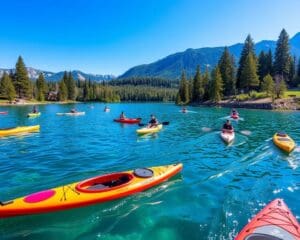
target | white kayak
[
  {"x": 71, "y": 114},
  {"x": 227, "y": 137}
]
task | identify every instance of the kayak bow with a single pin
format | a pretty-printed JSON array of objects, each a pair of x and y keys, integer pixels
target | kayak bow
[
  {"x": 91, "y": 191},
  {"x": 274, "y": 222},
  {"x": 34, "y": 114},
  {"x": 227, "y": 136},
  {"x": 17, "y": 130},
  {"x": 71, "y": 114},
  {"x": 128, "y": 120}
]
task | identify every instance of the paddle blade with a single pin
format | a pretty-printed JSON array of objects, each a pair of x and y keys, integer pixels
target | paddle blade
[
  {"x": 142, "y": 124},
  {"x": 246, "y": 132},
  {"x": 165, "y": 123},
  {"x": 206, "y": 129}
]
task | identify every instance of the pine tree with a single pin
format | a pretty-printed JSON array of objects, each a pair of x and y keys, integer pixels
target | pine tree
[
  {"x": 226, "y": 65},
  {"x": 216, "y": 86},
  {"x": 41, "y": 87},
  {"x": 280, "y": 86},
  {"x": 249, "y": 78},
  {"x": 248, "y": 48},
  {"x": 191, "y": 88},
  {"x": 206, "y": 84},
  {"x": 62, "y": 92},
  {"x": 268, "y": 85},
  {"x": 86, "y": 91},
  {"x": 297, "y": 79},
  {"x": 262, "y": 65},
  {"x": 269, "y": 63},
  {"x": 21, "y": 80},
  {"x": 282, "y": 56},
  {"x": 183, "y": 92},
  {"x": 71, "y": 87},
  {"x": 7, "y": 89},
  {"x": 292, "y": 69},
  {"x": 198, "y": 90}
]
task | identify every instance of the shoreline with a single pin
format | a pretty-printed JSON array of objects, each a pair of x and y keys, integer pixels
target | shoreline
[{"x": 287, "y": 104}]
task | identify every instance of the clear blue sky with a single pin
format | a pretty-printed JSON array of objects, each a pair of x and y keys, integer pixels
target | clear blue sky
[{"x": 110, "y": 36}]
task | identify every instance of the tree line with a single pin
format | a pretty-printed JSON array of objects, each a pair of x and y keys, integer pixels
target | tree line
[
  {"x": 18, "y": 85},
  {"x": 264, "y": 72}
]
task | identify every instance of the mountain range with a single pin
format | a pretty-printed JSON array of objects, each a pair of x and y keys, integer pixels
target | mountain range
[
  {"x": 170, "y": 67},
  {"x": 53, "y": 77}
]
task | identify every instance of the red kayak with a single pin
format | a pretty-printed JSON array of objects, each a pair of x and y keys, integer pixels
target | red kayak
[
  {"x": 234, "y": 116},
  {"x": 4, "y": 113},
  {"x": 128, "y": 120},
  {"x": 274, "y": 222}
]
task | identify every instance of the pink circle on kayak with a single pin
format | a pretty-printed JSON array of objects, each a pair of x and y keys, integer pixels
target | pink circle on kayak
[{"x": 39, "y": 196}]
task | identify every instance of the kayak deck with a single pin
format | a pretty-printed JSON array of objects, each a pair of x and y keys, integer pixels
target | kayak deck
[
  {"x": 146, "y": 130},
  {"x": 94, "y": 190},
  {"x": 274, "y": 222},
  {"x": 284, "y": 142},
  {"x": 17, "y": 130}
]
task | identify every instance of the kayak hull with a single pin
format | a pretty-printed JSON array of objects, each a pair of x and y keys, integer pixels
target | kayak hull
[
  {"x": 32, "y": 115},
  {"x": 80, "y": 194},
  {"x": 275, "y": 220},
  {"x": 147, "y": 130},
  {"x": 17, "y": 130},
  {"x": 71, "y": 114},
  {"x": 128, "y": 120},
  {"x": 285, "y": 143},
  {"x": 227, "y": 137},
  {"x": 4, "y": 113}
]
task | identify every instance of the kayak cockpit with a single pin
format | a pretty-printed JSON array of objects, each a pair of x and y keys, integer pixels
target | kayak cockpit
[
  {"x": 270, "y": 232},
  {"x": 262, "y": 237},
  {"x": 104, "y": 183}
]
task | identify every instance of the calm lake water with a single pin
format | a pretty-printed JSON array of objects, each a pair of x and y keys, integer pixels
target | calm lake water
[{"x": 219, "y": 189}]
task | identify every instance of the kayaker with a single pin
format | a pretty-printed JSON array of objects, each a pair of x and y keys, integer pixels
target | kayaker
[
  {"x": 34, "y": 110},
  {"x": 122, "y": 116},
  {"x": 227, "y": 127},
  {"x": 106, "y": 109},
  {"x": 153, "y": 121},
  {"x": 184, "y": 110},
  {"x": 73, "y": 110},
  {"x": 234, "y": 112}
]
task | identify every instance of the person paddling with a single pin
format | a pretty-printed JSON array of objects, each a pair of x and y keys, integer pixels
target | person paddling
[
  {"x": 34, "y": 110},
  {"x": 153, "y": 121},
  {"x": 227, "y": 127},
  {"x": 106, "y": 109},
  {"x": 122, "y": 116},
  {"x": 234, "y": 112},
  {"x": 73, "y": 110},
  {"x": 184, "y": 110}
]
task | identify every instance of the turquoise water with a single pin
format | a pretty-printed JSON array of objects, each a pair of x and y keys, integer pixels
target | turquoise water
[{"x": 219, "y": 189}]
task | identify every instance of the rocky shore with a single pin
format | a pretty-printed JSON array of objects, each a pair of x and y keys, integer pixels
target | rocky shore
[{"x": 265, "y": 103}]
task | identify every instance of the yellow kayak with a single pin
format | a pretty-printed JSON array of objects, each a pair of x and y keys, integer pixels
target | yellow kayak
[
  {"x": 146, "y": 130},
  {"x": 284, "y": 142},
  {"x": 90, "y": 191},
  {"x": 34, "y": 114},
  {"x": 16, "y": 130}
]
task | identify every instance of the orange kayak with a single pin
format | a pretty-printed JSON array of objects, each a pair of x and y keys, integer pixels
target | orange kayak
[
  {"x": 274, "y": 222},
  {"x": 91, "y": 191}
]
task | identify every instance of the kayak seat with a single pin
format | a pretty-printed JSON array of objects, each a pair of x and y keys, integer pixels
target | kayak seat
[
  {"x": 281, "y": 134},
  {"x": 259, "y": 236},
  {"x": 97, "y": 186},
  {"x": 284, "y": 139}
]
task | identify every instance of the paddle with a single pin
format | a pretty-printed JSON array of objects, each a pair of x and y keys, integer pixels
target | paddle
[
  {"x": 243, "y": 132},
  {"x": 144, "y": 124}
]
